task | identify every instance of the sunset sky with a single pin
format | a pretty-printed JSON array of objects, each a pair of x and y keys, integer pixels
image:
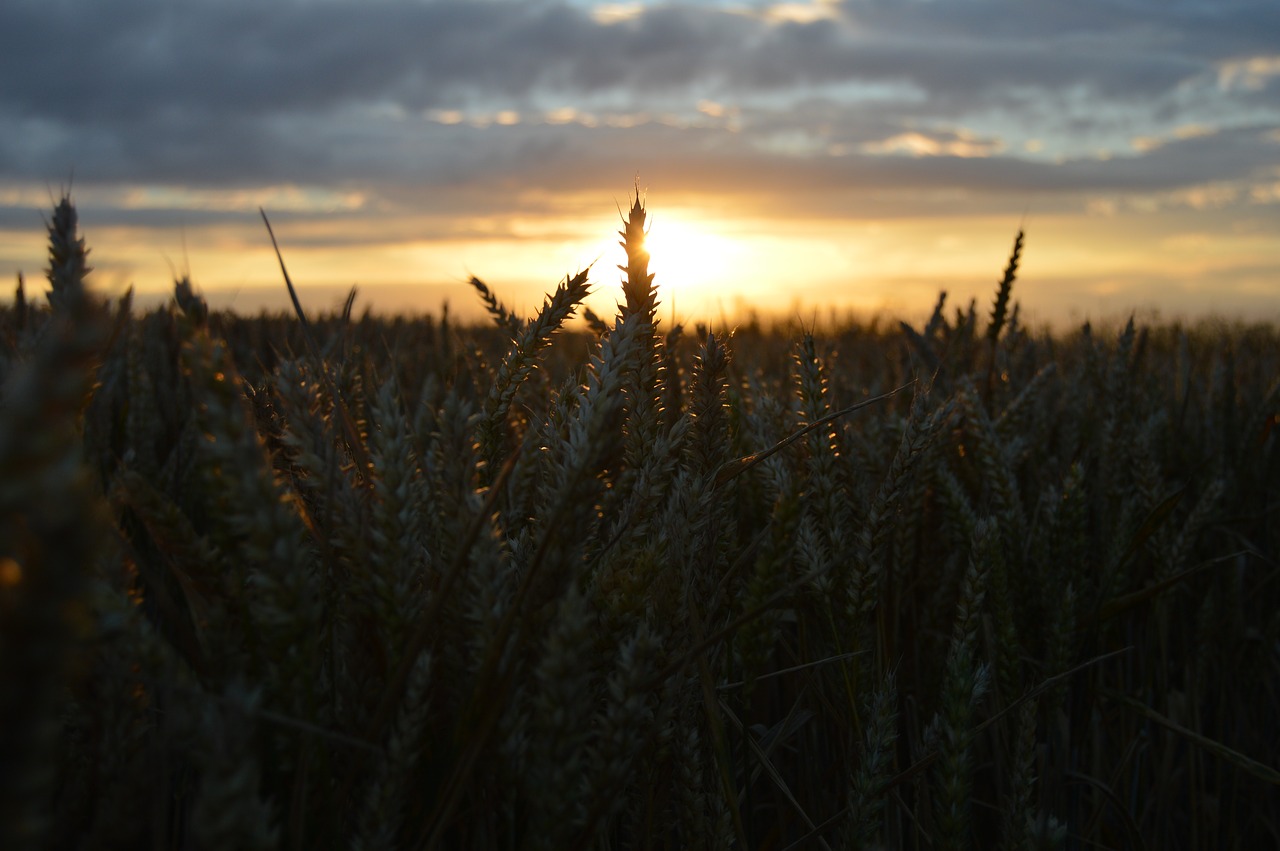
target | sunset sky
[{"x": 803, "y": 157}]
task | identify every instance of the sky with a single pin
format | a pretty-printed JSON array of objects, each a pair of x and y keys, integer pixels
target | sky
[{"x": 810, "y": 159}]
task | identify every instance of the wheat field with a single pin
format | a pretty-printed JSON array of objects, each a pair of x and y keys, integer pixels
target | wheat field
[{"x": 394, "y": 583}]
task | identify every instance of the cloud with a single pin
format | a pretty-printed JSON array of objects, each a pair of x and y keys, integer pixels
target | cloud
[
  {"x": 235, "y": 57},
  {"x": 1252, "y": 74},
  {"x": 411, "y": 104},
  {"x": 954, "y": 144}
]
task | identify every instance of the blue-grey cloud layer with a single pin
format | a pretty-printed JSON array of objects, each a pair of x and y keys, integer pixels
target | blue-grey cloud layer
[{"x": 333, "y": 93}]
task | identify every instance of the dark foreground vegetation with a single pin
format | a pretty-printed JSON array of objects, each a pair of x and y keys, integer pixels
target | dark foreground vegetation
[{"x": 367, "y": 583}]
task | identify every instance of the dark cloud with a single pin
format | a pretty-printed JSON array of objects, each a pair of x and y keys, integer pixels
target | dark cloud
[
  {"x": 231, "y": 93},
  {"x": 90, "y": 61}
]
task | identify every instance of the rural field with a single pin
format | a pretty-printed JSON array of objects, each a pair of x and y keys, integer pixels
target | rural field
[{"x": 341, "y": 581}]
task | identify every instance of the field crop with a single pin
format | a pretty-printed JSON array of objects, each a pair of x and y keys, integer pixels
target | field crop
[{"x": 384, "y": 583}]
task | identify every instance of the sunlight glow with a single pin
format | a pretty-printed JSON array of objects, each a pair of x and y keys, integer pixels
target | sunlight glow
[
  {"x": 691, "y": 264},
  {"x": 608, "y": 14},
  {"x": 802, "y": 13}
]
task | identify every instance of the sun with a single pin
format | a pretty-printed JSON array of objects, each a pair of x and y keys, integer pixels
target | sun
[
  {"x": 701, "y": 265},
  {"x": 690, "y": 262}
]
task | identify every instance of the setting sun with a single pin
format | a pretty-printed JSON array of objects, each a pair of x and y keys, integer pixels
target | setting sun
[{"x": 692, "y": 265}]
